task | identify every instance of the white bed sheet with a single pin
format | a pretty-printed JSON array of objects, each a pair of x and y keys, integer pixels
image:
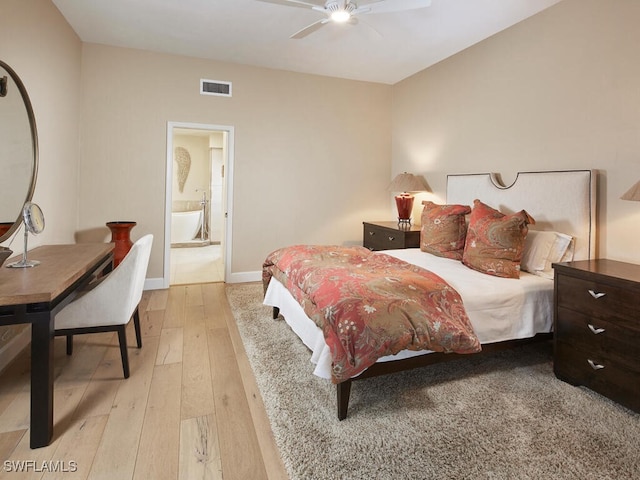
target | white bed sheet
[{"x": 499, "y": 308}]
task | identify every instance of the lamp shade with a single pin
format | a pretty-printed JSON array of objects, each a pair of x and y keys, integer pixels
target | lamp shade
[
  {"x": 633, "y": 193},
  {"x": 408, "y": 182}
]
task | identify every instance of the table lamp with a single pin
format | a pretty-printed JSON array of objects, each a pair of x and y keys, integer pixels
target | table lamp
[{"x": 406, "y": 183}]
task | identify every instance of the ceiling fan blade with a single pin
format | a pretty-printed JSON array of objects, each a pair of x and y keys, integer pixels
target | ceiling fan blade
[
  {"x": 296, "y": 3},
  {"x": 369, "y": 2},
  {"x": 310, "y": 29},
  {"x": 390, "y": 6},
  {"x": 369, "y": 26}
]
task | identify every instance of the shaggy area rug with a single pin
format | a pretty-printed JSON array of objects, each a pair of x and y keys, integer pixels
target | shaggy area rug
[{"x": 504, "y": 416}]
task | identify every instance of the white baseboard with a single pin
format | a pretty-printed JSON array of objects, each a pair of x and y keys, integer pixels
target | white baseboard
[
  {"x": 154, "y": 284},
  {"x": 14, "y": 347},
  {"x": 243, "y": 277},
  {"x": 240, "y": 277}
]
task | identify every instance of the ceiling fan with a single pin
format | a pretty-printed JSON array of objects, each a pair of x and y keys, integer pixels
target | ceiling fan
[{"x": 347, "y": 11}]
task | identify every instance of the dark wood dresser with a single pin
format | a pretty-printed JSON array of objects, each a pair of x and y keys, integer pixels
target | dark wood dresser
[
  {"x": 597, "y": 328},
  {"x": 389, "y": 236}
]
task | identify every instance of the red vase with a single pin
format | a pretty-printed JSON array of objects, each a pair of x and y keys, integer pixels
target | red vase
[{"x": 121, "y": 236}]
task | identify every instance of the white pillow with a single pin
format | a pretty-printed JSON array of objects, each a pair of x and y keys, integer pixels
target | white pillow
[
  {"x": 542, "y": 248},
  {"x": 568, "y": 254}
]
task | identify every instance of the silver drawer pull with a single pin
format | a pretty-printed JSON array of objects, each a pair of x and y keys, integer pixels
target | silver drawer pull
[
  {"x": 594, "y": 329},
  {"x": 594, "y": 365},
  {"x": 596, "y": 295},
  {"x": 391, "y": 239}
]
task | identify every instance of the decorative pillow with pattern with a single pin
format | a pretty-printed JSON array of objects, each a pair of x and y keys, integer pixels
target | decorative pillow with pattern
[
  {"x": 444, "y": 228},
  {"x": 495, "y": 241}
]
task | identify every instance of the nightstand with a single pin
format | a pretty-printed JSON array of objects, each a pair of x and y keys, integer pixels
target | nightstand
[
  {"x": 597, "y": 328},
  {"x": 388, "y": 236}
]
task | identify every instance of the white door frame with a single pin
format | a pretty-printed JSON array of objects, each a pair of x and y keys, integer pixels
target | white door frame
[{"x": 227, "y": 201}]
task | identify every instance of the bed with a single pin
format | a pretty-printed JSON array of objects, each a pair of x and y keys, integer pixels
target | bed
[{"x": 503, "y": 312}]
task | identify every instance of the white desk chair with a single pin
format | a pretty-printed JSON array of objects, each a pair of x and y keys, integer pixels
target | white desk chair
[{"x": 110, "y": 302}]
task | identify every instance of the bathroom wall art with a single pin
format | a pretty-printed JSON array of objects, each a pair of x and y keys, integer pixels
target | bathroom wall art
[{"x": 183, "y": 159}]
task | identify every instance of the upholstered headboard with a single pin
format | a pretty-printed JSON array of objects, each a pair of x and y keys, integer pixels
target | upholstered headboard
[{"x": 563, "y": 201}]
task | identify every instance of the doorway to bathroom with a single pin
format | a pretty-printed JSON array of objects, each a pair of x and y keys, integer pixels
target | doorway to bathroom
[{"x": 197, "y": 224}]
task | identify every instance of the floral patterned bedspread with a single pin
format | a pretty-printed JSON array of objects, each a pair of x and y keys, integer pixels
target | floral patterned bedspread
[{"x": 369, "y": 304}]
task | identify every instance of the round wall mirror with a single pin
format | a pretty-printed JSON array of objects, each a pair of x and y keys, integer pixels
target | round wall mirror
[{"x": 18, "y": 151}]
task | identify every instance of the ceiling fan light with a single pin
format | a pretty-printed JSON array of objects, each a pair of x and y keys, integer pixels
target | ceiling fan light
[{"x": 340, "y": 16}]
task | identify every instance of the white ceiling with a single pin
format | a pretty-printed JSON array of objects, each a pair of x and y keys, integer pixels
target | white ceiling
[{"x": 251, "y": 32}]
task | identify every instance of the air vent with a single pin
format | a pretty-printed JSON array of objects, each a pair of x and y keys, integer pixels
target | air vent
[{"x": 215, "y": 87}]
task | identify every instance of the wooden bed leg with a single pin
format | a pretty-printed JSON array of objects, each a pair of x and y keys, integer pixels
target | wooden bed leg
[
  {"x": 276, "y": 312},
  {"x": 343, "y": 390}
]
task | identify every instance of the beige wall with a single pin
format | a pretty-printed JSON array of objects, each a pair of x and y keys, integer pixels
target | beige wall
[
  {"x": 560, "y": 90},
  {"x": 312, "y": 154},
  {"x": 39, "y": 45}
]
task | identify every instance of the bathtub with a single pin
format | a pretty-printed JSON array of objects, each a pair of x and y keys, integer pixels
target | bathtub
[{"x": 185, "y": 226}]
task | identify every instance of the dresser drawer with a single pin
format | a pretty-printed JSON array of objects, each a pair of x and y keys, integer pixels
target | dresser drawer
[
  {"x": 377, "y": 239},
  {"x": 387, "y": 236},
  {"x": 599, "y": 374},
  {"x": 597, "y": 299},
  {"x": 614, "y": 340}
]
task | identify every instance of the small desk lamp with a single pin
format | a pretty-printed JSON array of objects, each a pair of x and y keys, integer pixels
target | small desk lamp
[{"x": 406, "y": 183}]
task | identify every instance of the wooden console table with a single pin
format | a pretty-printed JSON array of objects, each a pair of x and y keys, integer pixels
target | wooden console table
[{"x": 34, "y": 295}]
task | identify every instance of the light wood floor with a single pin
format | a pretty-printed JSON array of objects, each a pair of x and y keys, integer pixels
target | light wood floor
[{"x": 190, "y": 409}]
